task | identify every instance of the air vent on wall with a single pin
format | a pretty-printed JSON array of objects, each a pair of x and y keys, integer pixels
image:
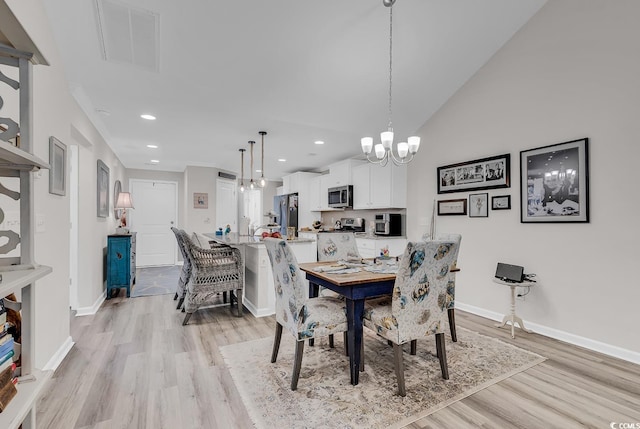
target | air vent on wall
[
  {"x": 128, "y": 35},
  {"x": 226, "y": 175}
]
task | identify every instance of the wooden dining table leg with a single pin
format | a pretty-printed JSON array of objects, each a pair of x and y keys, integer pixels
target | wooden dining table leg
[{"x": 355, "y": 309}]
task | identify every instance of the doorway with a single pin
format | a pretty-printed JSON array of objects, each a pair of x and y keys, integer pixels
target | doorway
[
  {"x": 155, "y": 212},
  {"x": 226, "y": 204}
]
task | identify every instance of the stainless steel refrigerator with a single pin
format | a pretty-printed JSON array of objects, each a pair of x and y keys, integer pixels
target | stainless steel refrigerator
[{"x": 286, "y": 208}]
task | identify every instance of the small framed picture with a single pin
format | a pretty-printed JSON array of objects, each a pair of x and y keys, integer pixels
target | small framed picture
[
  {"x": 479, "y": 205},
  {"x": 58, "y": 170},
  {"x": 452, "y": 207},
  {"x": 501, "y": 202},
  {"x": 200, "y": 200}
]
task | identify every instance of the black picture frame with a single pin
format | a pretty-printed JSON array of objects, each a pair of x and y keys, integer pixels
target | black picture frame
[
  {"x": 479, "y": 205},
  {"x": 486, "y": 173},
  {"x": 457, "y": 207},
  {"x": 58, "y": 170},
  {"x": 102, "y": 189},
  {"x": 554, "y": 183},
  {"x": 501, "y": 202}
]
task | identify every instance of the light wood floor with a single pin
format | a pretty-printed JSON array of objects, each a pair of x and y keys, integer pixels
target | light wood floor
[{"x": 135, "y": 366}]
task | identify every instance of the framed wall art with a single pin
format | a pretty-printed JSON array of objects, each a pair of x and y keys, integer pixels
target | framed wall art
[
  {"x": 479, "y": 205},
  {"x": 58, "y": 170},
  {"x": 501, "y": 202},
  {"x": 200, "y": 200},
  {"x": 452, "y": 207},
  {"x": 555, "y": 183},
  {"x": 103, "y": 189},
  {"x": 485, "y": 173}
]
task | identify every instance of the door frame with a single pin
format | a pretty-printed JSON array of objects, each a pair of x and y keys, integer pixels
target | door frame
[
  {"x": 74, "y": 166},
  {"x": 170, "y": 182}
]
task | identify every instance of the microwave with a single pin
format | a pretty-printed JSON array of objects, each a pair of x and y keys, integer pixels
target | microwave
[
  {"x": 388, "y": 224},
  {"x": 341, "y": 197}
]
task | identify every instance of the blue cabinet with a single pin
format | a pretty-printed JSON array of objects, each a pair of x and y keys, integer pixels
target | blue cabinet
[{"x": 121, "y": 262}]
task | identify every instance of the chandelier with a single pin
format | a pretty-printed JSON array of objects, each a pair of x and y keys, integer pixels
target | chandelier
[{"x": 384, "y": 150}]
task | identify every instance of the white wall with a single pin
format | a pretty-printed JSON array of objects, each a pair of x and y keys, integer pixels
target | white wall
[
  {"x": 571, "y": 72},
  {"x": 56, "y": 113}
]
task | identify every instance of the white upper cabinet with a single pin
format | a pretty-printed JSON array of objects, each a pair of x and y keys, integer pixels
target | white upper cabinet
[
  {"x": 340, "y": 173},
  {"x": 376, "y": 187}
]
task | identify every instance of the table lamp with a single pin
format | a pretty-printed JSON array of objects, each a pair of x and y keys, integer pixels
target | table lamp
[{"x": 123, "y": 203}]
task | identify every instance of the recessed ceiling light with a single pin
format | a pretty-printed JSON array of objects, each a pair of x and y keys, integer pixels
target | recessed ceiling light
[
  {"x": 154, "y": 161},
  {"x": 148, "y": 117},
  {"x": 282, "y": 160},
  {"x": 318, "y": 142},
  {"x": 152, "y": 146}
]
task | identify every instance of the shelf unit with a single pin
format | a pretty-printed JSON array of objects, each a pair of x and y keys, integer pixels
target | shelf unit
[{"x": 19, "y": 274}]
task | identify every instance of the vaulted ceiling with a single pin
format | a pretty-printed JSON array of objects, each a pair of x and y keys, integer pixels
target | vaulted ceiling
[{"x": 215, "y": 73}]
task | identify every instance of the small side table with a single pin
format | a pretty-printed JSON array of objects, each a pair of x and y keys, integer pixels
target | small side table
[{"x": 513, "y": 318}]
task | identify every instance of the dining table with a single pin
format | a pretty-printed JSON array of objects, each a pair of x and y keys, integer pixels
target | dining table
[{"x": 356, "y": 287}]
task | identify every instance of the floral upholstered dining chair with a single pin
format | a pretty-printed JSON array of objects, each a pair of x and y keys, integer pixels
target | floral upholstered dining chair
[
  {"x": 418, "y": 305},
  {"x": 336, "y": 246},
  {"x": 451, "y": 284},
  {"x": 304, "y": 317}
]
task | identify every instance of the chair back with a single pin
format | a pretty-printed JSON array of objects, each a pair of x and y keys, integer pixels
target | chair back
[
  {"x": 335, "y": 246},
  {"x": 419, "y": 302},
  {"x": 180, "y": 236},
  {"x": 291, "y": 293},
  {"x": 451, "y": 284}
]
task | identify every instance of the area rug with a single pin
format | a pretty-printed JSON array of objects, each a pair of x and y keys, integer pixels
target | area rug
[
  {"x": 326, "y": 399},
  {"x": 156, "y": 280}
]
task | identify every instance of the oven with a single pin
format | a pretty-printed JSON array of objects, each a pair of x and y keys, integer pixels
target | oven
[{"x": 388, "y": 224}]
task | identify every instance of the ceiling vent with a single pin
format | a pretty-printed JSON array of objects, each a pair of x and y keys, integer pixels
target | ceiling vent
[{"x": 128, "y": 35}]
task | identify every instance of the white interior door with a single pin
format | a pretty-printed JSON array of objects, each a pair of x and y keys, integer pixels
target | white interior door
[
  {"x": 155, "y": 212},
  {"x": 227, "y": 204}
]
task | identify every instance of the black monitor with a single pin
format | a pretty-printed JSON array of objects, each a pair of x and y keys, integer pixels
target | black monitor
[{"x": 510, "y": 273}]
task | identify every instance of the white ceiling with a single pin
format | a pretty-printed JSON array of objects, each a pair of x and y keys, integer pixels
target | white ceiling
[{"x": 301, "y": 70}]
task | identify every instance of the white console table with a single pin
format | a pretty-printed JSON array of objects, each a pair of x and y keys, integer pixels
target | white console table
[{"x": 512, "y": 317}]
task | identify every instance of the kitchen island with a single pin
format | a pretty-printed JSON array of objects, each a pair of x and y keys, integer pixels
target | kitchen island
[{"x": 259, "y": 293}]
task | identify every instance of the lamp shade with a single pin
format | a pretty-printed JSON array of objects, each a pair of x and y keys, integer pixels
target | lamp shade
[{"x": 124, "y": 201}]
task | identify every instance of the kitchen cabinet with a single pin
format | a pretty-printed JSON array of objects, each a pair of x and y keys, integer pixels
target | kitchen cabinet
[
  {"x": 300, "y": 183},
  {"x": 377, "y": 187},
  {"x": 319, "y": 198},
  {"x": 371, "y": 247},
  {"x": 340, "y": 173}
]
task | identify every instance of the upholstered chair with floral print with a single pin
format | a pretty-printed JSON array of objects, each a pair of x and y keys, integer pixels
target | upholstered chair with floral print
[
  {"x": 451, "y": 284},
  {"x": 418, "y": 305},
  {"x": 304, "y": 317},
  {"x": 336, "y": 246}
]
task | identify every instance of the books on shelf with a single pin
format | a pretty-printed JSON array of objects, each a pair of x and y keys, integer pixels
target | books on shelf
[{"x": 7, "y": 385}]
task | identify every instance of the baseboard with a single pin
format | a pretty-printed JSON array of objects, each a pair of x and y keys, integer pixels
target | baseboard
[
  {"x": 587, "y": 343},
  {"x": 88, "y": 311},
  {"x": 59, "y": 355},
  {"x": 263, "y": 312}
]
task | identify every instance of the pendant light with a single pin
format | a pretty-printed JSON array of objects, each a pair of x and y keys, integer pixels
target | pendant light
[
  {"x": 241, "y": 169},
  {"x": 263, "y": 181},
  {"x": 384, "y": 150},
  {"x": 252, "y": 184}
]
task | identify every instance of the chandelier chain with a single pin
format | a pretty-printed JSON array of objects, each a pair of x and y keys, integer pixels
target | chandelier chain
[{"x": 390, "y": 60}]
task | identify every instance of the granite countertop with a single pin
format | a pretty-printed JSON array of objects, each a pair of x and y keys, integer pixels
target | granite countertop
[
  {"x": 233, "y": 239},
  {"x": 361, "y": 235}
]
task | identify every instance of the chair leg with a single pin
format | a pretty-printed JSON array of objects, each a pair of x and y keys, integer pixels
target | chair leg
[
  {"x": 180, "y": 303},
  {"x": 175, "y": 296},
  {"x": 331, "y": 340},
  {"x": 224, "y": 297},
  {"x": 452, "y": 324},
  {"x": 362, "y": 356},
  {"x": 297, "y": 364},
  {"x": 239, "y": 302},
  {"x": 186, "y": 318},
  {"x": 442, "y": 355},
  {"x": 414, "y": 346},
  {"x": 346, "y": 343},
  {"x": 276, "y": 343},
  {"x": 397, "y": 361}
]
